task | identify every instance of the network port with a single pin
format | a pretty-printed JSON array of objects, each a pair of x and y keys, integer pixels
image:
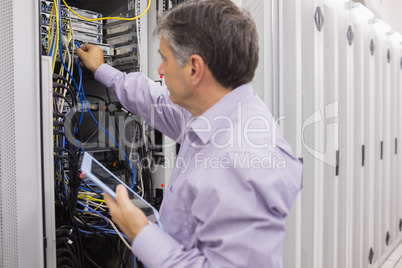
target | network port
[{"x": 46, "y": 6}]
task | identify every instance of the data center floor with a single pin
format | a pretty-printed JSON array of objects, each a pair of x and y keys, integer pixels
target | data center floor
[{"x": 395, "y": 259}]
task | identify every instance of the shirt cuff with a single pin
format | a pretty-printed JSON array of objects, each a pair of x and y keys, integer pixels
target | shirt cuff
[
  {"x": 106, "y": 74},
  {"x": 153, "y": 246}
]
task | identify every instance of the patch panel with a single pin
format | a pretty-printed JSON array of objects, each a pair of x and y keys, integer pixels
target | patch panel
[
  {"x": 44, "y": 40},
  {"x": 119, "y": 29},
  {"x": 108, "y": 50},
  {"x": 132, "y": 61},
  {"x": 64, "y": 12},
  {"x": 121, "y": 40},
  {"x": 86, "y": 13},
  {"x": 46, "y": 7},
  {"x": 86, "y": 26},
  {"x": 126, "y": 50},
  {"x": 126, "y": 14},
  {"x": 123, "y": 36},
  {"x": 46, "y": 19},
  {"x": 120, "y": 48},
  {"x": 44, "y": 29},
  {"x": 65, "y": 27},
  {"x": 85, "y": 37}
]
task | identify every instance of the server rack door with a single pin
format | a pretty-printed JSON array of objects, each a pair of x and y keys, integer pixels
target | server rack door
[
  {"x": 21, "y": 214},
  {"x": 290, "y": 86},
  {"x": 330, "y": 116}
]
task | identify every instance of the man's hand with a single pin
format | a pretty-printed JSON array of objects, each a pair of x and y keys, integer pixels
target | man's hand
[
  {"x": 91, "y": 56},
  {"x": 130, "y": 219}
]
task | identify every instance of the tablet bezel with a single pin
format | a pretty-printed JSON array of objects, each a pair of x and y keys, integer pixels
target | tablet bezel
[{"x": 86, "y": 168}]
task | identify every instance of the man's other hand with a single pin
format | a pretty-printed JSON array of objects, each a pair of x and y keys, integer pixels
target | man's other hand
[
  {"x": 91, "y": 56},
  {"x": 128, "y": 217}
]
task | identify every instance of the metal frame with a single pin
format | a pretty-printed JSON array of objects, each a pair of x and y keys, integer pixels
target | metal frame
[{"x": 48, "y": 172}]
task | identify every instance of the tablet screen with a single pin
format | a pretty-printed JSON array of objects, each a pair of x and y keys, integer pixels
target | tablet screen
[
  {"x": 107, "y": 181},
  {"x": 108, "y": 178}
]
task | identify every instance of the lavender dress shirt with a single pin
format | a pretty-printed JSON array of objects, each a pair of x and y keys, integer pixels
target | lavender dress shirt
[{"x": 234, "y": 181}]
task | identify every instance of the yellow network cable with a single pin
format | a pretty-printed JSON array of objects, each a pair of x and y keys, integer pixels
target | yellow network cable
[
  {"x": 83, "y": 196},
  {"x": 69, "y": 28},
  {"x": 100, "y": 205},
  {"x": 57, "y": 34},
  {"x": 109, "y": 18}
]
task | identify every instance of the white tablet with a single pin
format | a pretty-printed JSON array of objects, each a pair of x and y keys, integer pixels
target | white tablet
[{"x": 104, "y": 179}]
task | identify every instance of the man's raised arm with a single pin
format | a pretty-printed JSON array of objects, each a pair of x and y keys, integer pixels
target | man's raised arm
[{"x": 137, "y": 93}]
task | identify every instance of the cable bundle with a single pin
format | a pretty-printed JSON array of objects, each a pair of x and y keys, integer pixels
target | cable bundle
[{"x": 81, "y": 214}]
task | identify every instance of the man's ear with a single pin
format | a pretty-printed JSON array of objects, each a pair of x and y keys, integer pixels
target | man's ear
[{"x": 197, "y": 68}]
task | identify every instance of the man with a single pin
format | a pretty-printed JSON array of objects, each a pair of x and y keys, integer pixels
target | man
[{"x": 226, "y": 204}]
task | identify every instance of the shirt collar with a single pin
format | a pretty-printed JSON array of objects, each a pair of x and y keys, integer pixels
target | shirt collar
[{"x": 206, "y": 124}]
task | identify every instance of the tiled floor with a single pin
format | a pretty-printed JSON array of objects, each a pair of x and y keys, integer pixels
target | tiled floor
[{"x": 395, "y": 259}]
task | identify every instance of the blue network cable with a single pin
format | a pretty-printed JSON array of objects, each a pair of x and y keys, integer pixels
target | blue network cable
[
  {"x": 64, "y": 65},
  {"x": 51, "y": 48},
  {"x": 89, "y": 110},
  {"x": 103, "y": 230},
  {"x": 87, "y": 189},
  {"x": 82, "y": 95},
  {"x": 103, "y": 227},
  {"x": 93, "y": 211},
  {"x": 100, "y": 228}
]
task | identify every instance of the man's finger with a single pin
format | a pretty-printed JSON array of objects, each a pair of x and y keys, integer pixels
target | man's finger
[
  {"x": 110, "y": 202},
  {"x": 86, "y": 47},
  {"x": 122, "y": 196},
  {"x": 79, "y": 52}
]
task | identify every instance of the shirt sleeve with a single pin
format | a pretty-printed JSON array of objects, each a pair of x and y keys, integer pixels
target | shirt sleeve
[
  {"x": 240, "y": 221},
  {"x": 157, "y": 249},
  {"x": 143, "y": 97}
]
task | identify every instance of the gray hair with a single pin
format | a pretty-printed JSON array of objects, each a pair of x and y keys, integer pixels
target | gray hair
[{"x": 217, "y": 30}]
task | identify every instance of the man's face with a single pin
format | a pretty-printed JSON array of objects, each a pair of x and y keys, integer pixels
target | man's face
[{"x": 175, "y": 77}]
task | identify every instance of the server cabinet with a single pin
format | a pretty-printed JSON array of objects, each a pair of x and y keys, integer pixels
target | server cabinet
[{"x": 339, "y": 72}]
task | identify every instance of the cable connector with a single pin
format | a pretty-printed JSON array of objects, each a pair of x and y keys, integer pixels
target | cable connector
[
  {"x": 58, "y": 85},
  {"x": 60, "y": 232},
  {"x": 57, "y": 132},
  {"x": 60, "y": 77},
  {"x": 64, "y": 40},
  {"x": 59, "y": 115},
  {"x": 62, "y": 240},
  {"x": 124, "y": 110},
  {"x": 57, "y": 157},
  {"x": 58, "y": 123}
]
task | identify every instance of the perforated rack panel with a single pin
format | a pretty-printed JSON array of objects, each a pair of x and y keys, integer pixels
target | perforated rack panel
[{"x": 8, "y": 215}]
